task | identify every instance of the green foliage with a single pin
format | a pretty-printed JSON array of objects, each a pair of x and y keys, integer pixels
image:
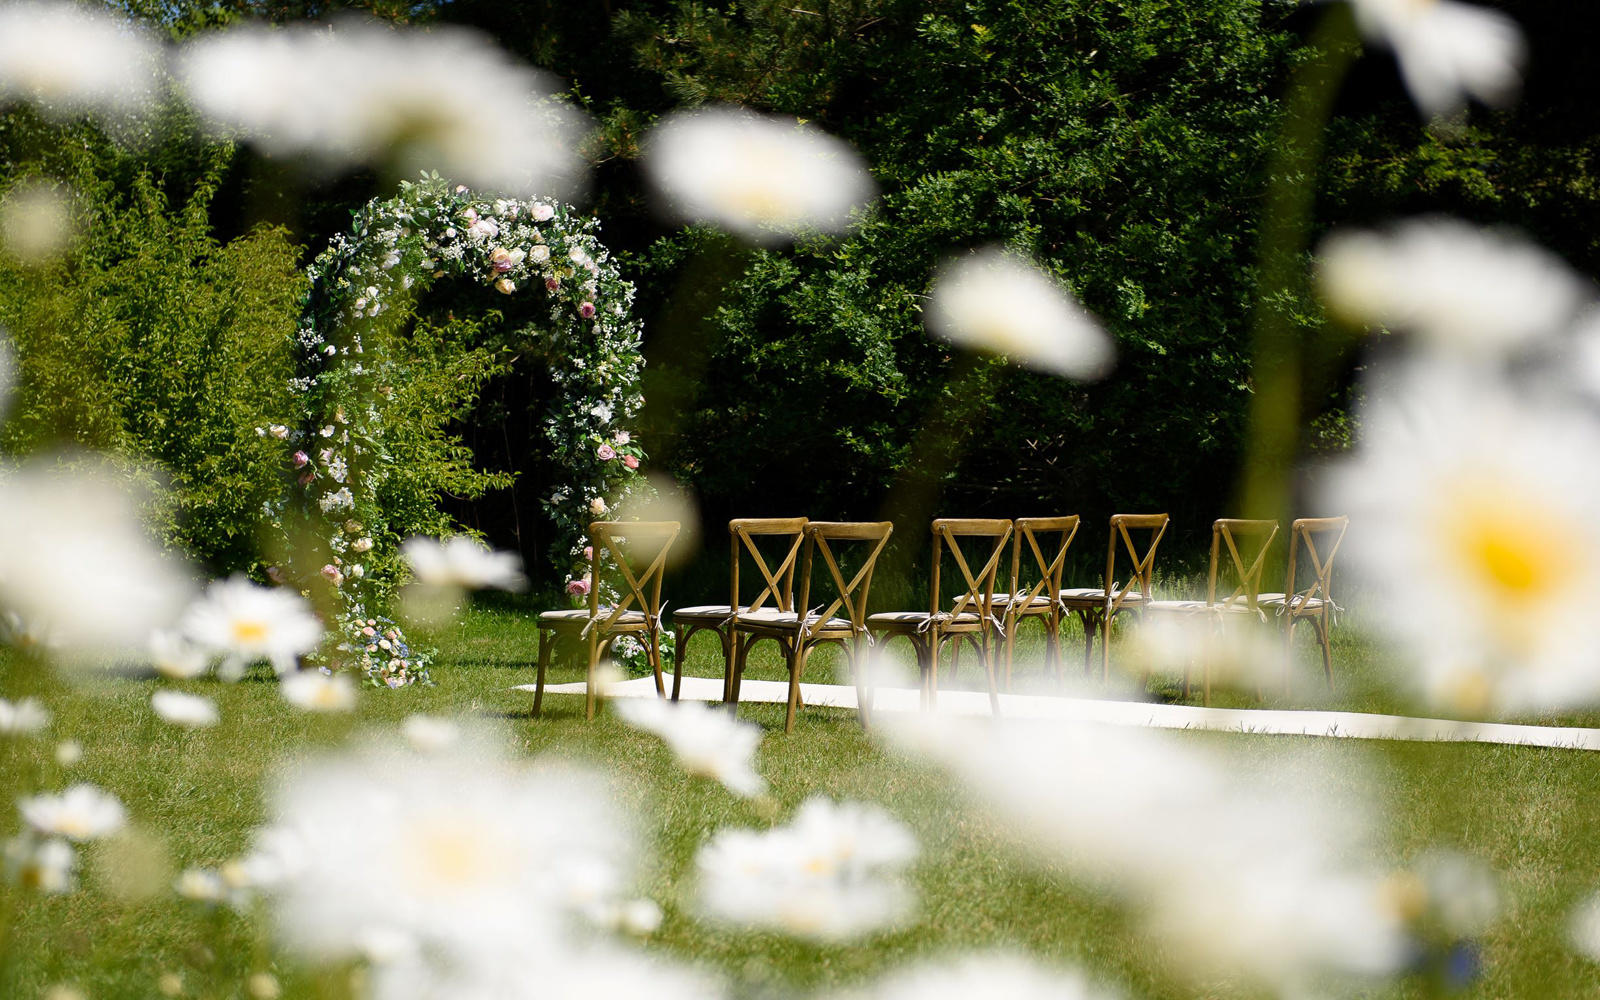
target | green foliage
[{"x": 152, "y": 341}]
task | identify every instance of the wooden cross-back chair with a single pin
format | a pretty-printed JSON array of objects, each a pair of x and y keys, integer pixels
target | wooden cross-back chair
[
  {"x": 1314, "y": 604},
  {"x": 972, "y": 617},
  {"x": 743, "y": 533},
  {"x": 1042, "y": 600},
  {"x": 1241, "y": 538},
  {"x": 797, "y": 632},
  {"x": 1097, "y": 606},
  {"x": 628, "y": 546}
]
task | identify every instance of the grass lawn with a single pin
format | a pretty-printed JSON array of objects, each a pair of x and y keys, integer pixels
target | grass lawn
[{"x": 194, "y": 798}]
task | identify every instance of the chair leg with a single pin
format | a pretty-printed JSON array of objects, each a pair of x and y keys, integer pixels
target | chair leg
[
  {"x": 679, "y": 645},
  {"x": 594, "y": 662},
  {"x": 796, "y": 652},
  {"x": 1321, "y": 625},
  {"x": 546, "y": 642},
  {"x": 741, "y": 649},
  {"x": 863, "y": 687},
  {"x": 727, "y": 640},
  {"x": 1011, "y": 647},
  {"x": 1105, "y": 648},
  {"x": 934, "y": 641},
  {"x": 1288, "y": 651},
  {"x": 1089, "y": 626},
  {"x": 988, "y": 652},
  {"x": 653, "y": 655}
]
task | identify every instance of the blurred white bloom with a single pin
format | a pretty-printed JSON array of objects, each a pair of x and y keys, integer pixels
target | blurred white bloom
[
  {"x": 69, "y": 753},
  {"x": 316, "y": 691},
  {"x": 836, "y": 872},
  {"x": 763, "y": 177},
  {"x": 1460, "y": 288},
  {"x": 1475, "y": 522},
  {"x": 461, "y": 562},
  {"x": 708, "y": 742},
  {"x": 446, "y": 99},
  {"x": 82, "y": 812},
  {"x": 429, "y": 733},
  {"x": 190, "y": 711},
  {"x": 1447, "y": 51},
  {"x": 264, "y": 986},
  {"x": 1460, "y": 893},
  {"x": 1236, "y": 651},
  {"x": 201, "y": 885},
  {"x": 641, "y": 917},
  {"x": 996, "y": 301},
  {"x": 1014, "y": 977},
  {"x": 45, "y": 865},
  {"x": 69, "y": 58},
  {"x": 465, "y": 853},
  {"x": 36, "y": 221},
  {"x": 1265, "y": 871},
  {"x": 175, "y": 657},
  {"x": 23, "y": 717},
  {"x": 244, "y": 623},
  {"x": 77, "y": 564},
  {"x": 1583, "y": 928}
]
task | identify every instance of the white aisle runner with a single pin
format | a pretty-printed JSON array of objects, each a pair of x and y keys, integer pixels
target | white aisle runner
[{"x": 1351, "y": 725}]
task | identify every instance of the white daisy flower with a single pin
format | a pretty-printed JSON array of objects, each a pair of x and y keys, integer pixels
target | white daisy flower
[
  {"x": 1266, "y": 873},
  {"x": 82, "y": 812},
  {"x": 45, "y": 865},
  {"x": 835, "y": 873},
  {"x": 1460, "y": 288},
  {"x": 466, "y": 854},
  {"x": 78, "y": 566},
  {"x": 429, "y": 733},
  {"x": 1447, "y": 51},
  {"x": 23, "y": 717},
  {"x": 708, "y": 742},
  {"x": 763, "y": 177},
  {"x": 577, "y": 972},
  {"x": 190, "y": 711},
  {"x": 245, "y": 623},
  {"x": 461, "y": 562},
  {"x": 1475, "y": 524},
  {"x": 1014, "y": 977},
  {"x": 36, "y": 222},
  {"x": 996, "y": 301},
  {"x": 445, "y": 99},
  {"x": 69, "y": 58},
  {"x": 314, "y": 691},
  {"x": 175, "y": 657}
]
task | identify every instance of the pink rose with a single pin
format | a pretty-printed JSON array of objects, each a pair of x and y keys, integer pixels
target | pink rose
[
  {"x": 551, "y": 284},
  {"x": 331, "y": 573},
  {"x": 606, "y": 452},
  {"x": 578, "y": 587},
  {"x": 586, "y": 310},
  {"x": 630, "y": 461},
  {"x": 588, "y": 553},
  {"x": 300, "y": 459},
  {"x": 307, "y": 477}
]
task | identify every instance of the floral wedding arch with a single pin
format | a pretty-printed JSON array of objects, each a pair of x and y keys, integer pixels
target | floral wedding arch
[{"x": 347, "y": 485}]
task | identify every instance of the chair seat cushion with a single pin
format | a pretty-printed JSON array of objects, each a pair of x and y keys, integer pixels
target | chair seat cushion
[
  {"x": 1297, "y": 602},
  {"x": 1039, "y": 601},
  {"x": 1184, "y": 607},
  {"x": 580, "y": 616},
  {"x": 1098, "y": 595},
  {"x": 702, "y": 611},
  {"x": 789, "y": 620},
  {"x": 902, "y": 619}
]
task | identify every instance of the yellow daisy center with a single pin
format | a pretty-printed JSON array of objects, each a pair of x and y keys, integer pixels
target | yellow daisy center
[
  {"x": 247, "y": 630},
  {"x": 1509, "y": 548}
]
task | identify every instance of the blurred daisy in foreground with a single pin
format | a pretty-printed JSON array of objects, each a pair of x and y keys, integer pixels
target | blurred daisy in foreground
[
  {"x": 588, "y": 972},
  {"x": 244, "y": 623},
  {"x": 1261, "y": 872},
  {"x": 835, "y": 873},
  {"x": 708, "y": 742},
  {"x": 76, "y": 563},
  {"x": 766, "y": 178},
  {"x": 314, "y": 691},
  {"x": 1238, "y": 651},
  {"x": 447, "y": 99},
  {"x": 462, "y": 854},
  {"x": 23, "y": 717},
  {"x": 1459, "y": 288},
  {"x": 463, "y": 563},
  {"x": 82, "y": 812},
  {"x": 45, "y": 865},
  {"x": 189, "y": 711},
  {"x": 997, "y": 301},
  {"x": 1014, "y": 977},
  {"x": 175, "y": 657},
  {"x": 1476, "y": 529},
  {"x": 36, "y": 223},
  {"x": 1447, "y": 51},
  {"x": 69, "y": 58}
]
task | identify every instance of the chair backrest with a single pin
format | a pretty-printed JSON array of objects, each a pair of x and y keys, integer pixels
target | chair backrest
[
  {"x": 1228, "y": 532},
  {"x": 1122, "y": 526},
  {"x": 851, "y": 594},
  {"x": 630, "y": 544},
  {"x": 742, "y": 535},
  {"x": 1029, "y": 529},
  {"x": 947, "y": 534},
  {"x": 1304, "y": 533}
]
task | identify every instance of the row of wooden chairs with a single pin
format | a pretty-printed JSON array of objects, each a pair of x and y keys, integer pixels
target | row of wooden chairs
[{"x": 778, "y": 550}]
